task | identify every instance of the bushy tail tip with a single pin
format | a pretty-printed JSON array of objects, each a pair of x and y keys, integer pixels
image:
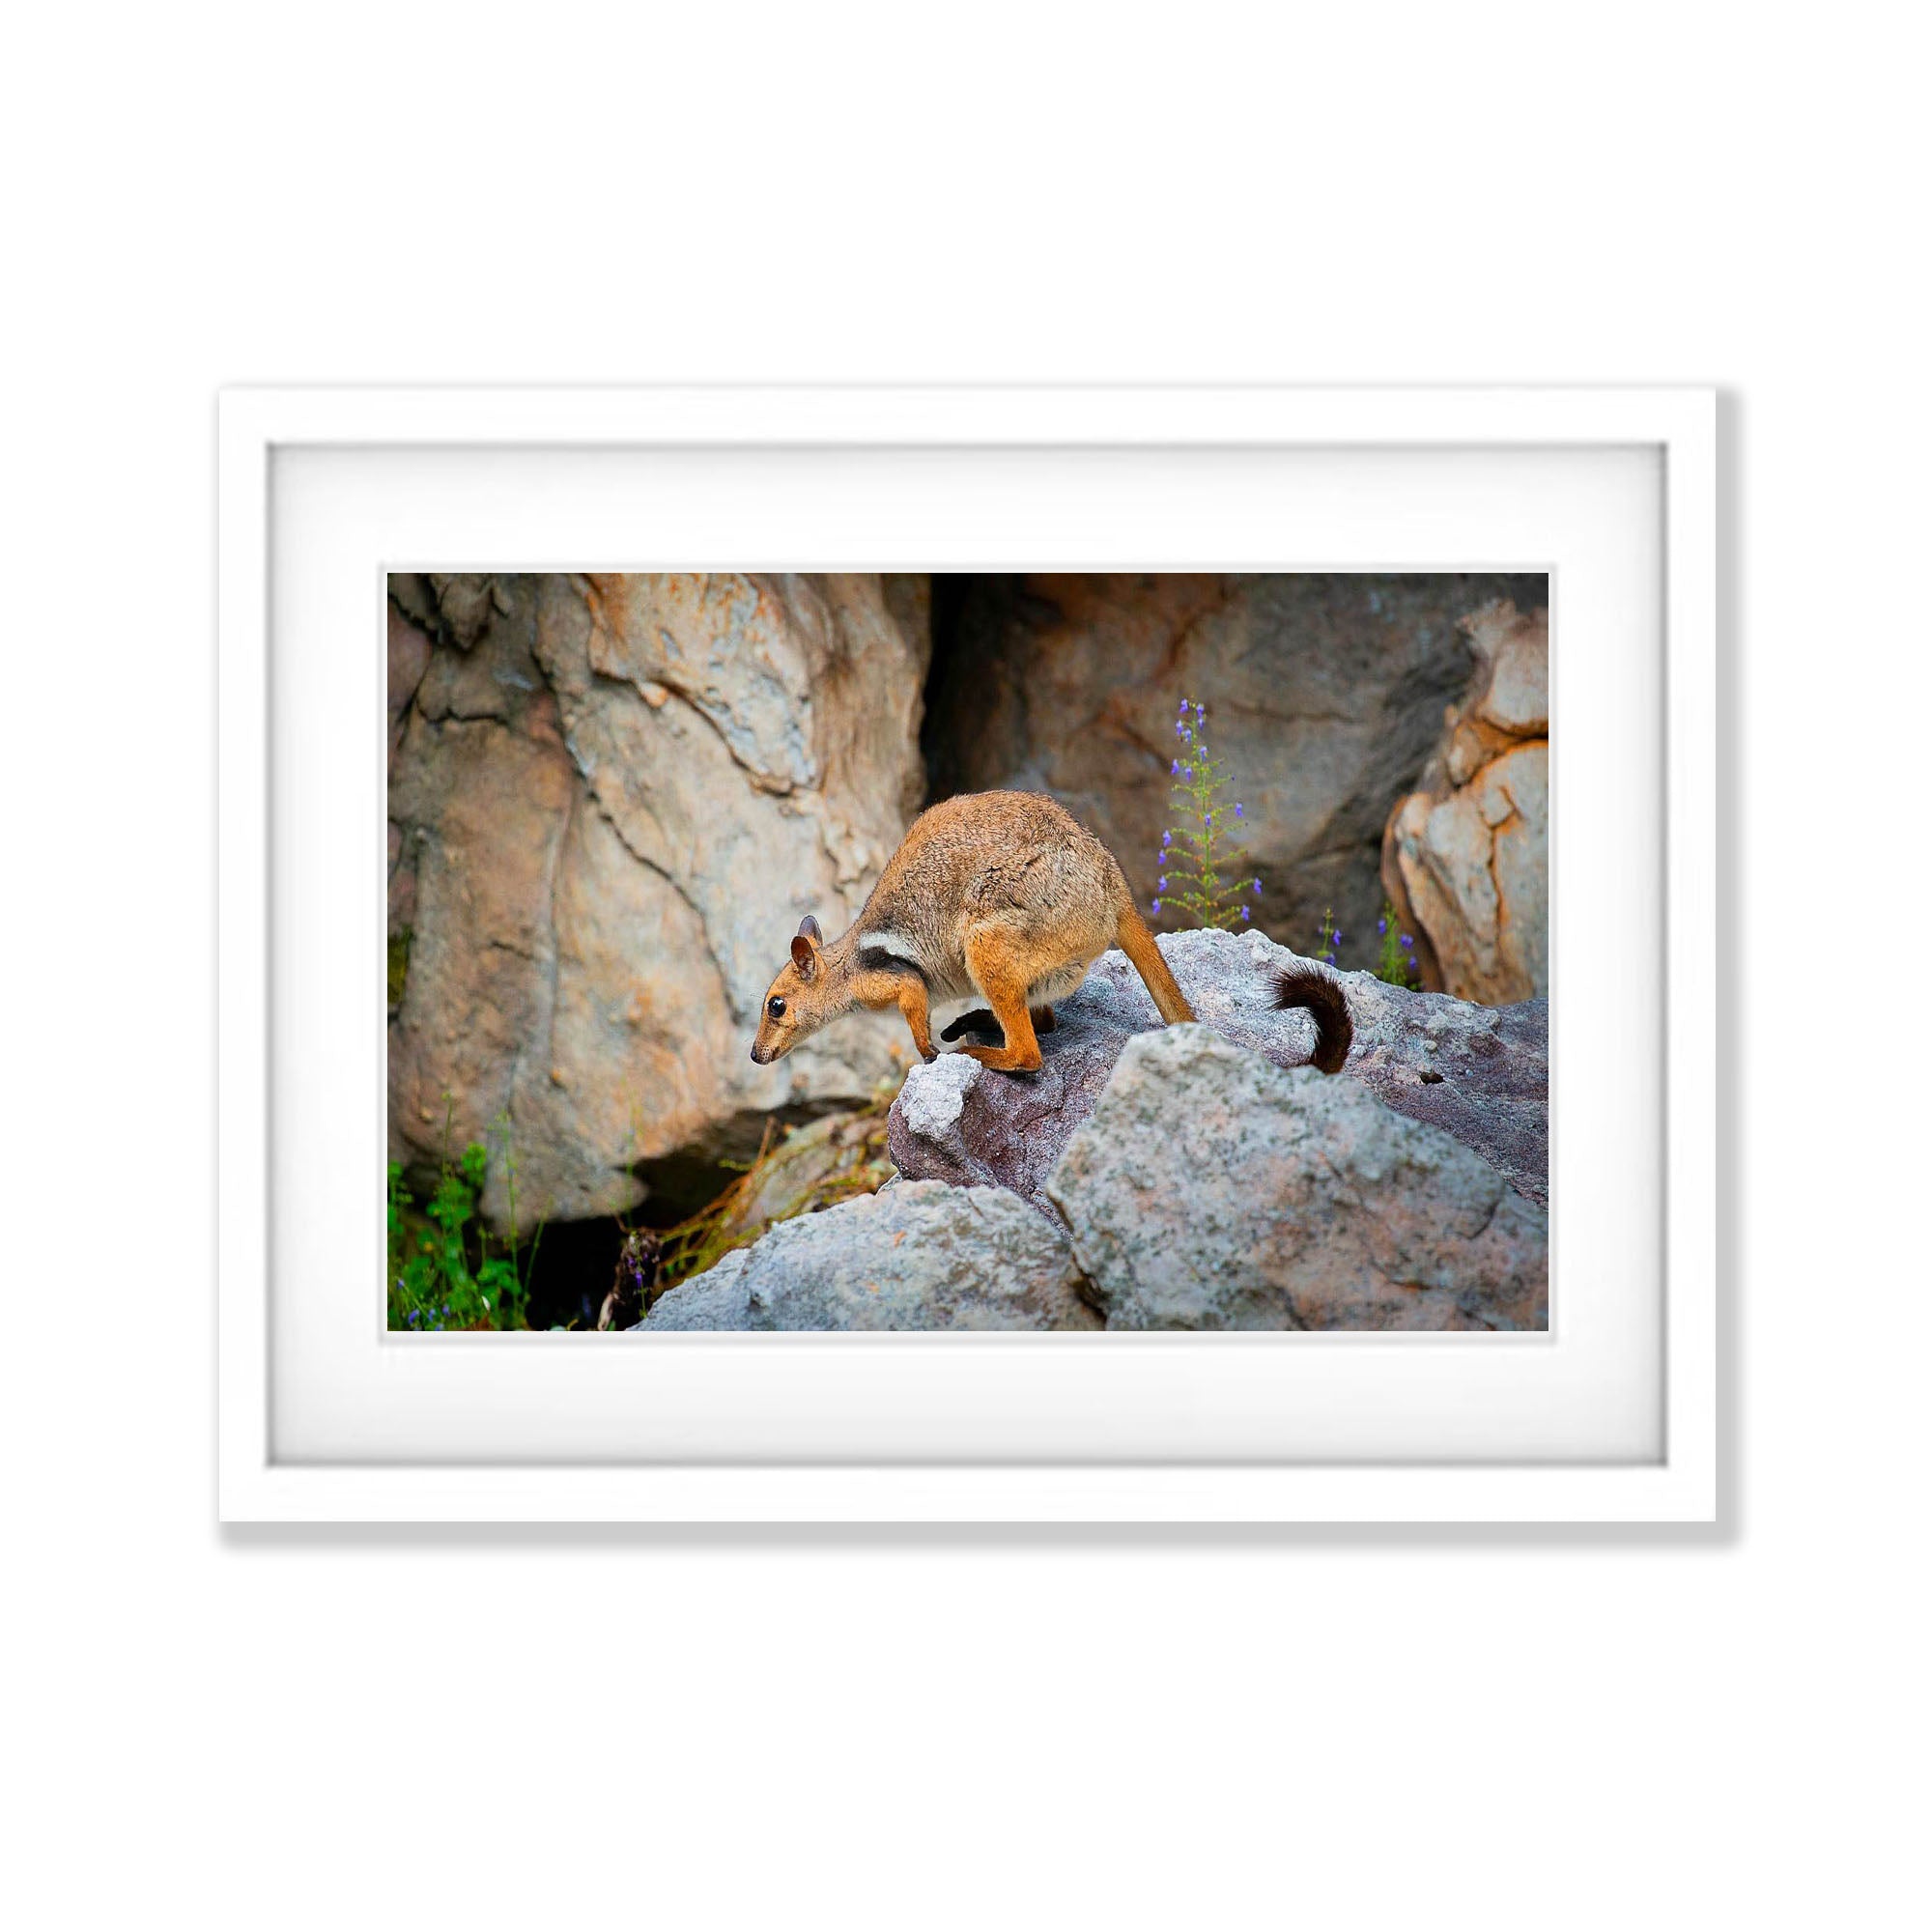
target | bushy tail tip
[{"x": 1322, "y": 996}]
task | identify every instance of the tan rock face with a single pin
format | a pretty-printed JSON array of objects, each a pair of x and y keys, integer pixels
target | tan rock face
[
  {"x": 613, "y": 799},
  {"x": 1465, "y": 859},
  {"x": 1324, "y": 694}
]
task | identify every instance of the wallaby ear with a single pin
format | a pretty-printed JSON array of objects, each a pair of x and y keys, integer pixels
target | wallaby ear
[
  {"x": 805, "y": 957},
  {"x": 807, "y": 928}
]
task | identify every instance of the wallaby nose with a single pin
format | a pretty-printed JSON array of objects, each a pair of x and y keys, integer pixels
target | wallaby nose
[{"x": 755, "y": 1055}]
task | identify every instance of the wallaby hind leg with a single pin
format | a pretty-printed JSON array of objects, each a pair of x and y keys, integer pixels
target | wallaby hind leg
[
  {"x": 1042, "y": 1019},
  {"x": 995, "y": 971}
]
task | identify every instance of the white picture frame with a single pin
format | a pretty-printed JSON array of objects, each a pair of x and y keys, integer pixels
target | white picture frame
[{"x": 487, "y": 452}]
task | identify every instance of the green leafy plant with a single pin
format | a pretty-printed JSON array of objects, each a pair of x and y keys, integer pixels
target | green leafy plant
[
  {"x": 433, "y": 1282},
  {"x": 1396, "y": 963},
  {"x": 1204, "y": 870}
]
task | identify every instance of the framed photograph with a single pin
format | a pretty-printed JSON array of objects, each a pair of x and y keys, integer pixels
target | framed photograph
[{"x": 967, "y": 955}]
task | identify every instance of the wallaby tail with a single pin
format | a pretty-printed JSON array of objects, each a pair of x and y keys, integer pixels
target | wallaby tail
[
  {"x": 1322, "y": 996},
  {"x": 1137, "y": 943}
]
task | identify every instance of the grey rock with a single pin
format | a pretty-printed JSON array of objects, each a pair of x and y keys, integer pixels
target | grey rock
[
  {"x": 717, "y": 1299},
  {"x": 953, "y": 1121},
  {"x": 1491, "y": 1067},
  {"x": 919, "y": 1255},
  {"x": 1480, "y": 1073},
  {"x": 1209, "y": 1190}
]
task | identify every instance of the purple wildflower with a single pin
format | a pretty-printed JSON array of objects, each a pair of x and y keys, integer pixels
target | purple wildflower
[
  {"x": 1173, "y": 770},
  {"x": 1244, "y": 915},
  {"x": 1156, "y": 906},
  {"x": 1163, "y": 882},
  {"x": 1258, "y": 889},
  {"x": 1408, "y": 942},
  {"x": 1166, "y": 840},
  {"x": 1237, "y": 811}
]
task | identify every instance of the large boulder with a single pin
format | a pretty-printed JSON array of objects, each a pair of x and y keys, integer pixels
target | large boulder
[
  {"x": 611, "y": 800},
  {"x": 1466, "y": 857},
  {"x": 1209, "y": 1189},
  {"x": 1325, "y": 696},
  {"x": 1204, "y": 1187},
  {"x": 957, "y": 1122},
  {"x": 1480, "y": 1074},
  {"x": 917, "y": 1255}
]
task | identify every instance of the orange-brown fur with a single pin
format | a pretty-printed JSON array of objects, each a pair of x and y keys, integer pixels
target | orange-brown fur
[{"x": 1000, "y": 894}]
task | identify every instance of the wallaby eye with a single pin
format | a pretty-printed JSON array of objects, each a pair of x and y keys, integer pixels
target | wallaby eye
[{"x": 776, "y": 1008}]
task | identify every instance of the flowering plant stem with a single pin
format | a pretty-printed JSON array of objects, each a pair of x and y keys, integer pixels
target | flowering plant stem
[
  {"x": 1198, "y": 852},
  {"x": 1397, "y": 961},
  {"x": 1328, "y": 941}
]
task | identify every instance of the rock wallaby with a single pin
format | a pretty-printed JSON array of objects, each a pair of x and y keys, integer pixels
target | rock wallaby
[{"x": 996, "y": 892}]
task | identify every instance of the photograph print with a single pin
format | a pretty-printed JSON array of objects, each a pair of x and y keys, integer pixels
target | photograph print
[{"x": 968, "y": 953}]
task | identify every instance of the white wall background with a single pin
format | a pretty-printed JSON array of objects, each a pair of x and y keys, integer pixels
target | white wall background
[{"x": 1090, "y": 1730}]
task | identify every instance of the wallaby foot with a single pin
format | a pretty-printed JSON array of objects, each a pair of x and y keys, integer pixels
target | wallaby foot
[{"x": 1007, "y": 1059}]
